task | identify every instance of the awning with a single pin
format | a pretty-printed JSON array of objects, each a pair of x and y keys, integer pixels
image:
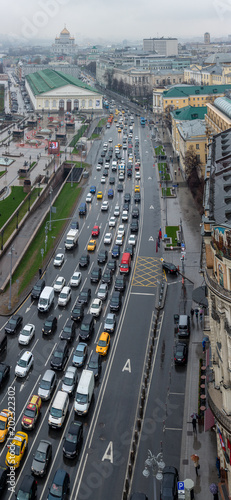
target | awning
[
  {"x": 208, "y": 419},
  {"x": 199, "y": 296}
]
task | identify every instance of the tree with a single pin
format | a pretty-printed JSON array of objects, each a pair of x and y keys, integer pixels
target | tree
[
  {"x": 194, "y": 178},
  {"x": 192, "y": 163}
]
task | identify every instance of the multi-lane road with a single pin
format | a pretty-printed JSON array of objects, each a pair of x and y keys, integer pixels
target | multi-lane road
[{"x": 100, "y": 470}]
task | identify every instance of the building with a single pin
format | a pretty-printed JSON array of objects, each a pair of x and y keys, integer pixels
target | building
[
  {"x": 187, "y": 114},
  {"x": 192, "y": 133},
  {"x": 218, "y": 117},
  {"x": 51, "y": 90},
  {"x": 64, "y": 44},
  {"x": 207, "y": 38},
  {"x": 180, "y": 96},
  {"x": 162, "y": 46},
  {"x": 23, "y": 69}
]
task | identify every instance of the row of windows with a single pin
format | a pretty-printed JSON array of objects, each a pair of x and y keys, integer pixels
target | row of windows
[{"x": 62, "y": 103}]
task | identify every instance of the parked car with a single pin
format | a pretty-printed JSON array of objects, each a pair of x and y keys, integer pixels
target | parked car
[{"x": 169, "y": 484}]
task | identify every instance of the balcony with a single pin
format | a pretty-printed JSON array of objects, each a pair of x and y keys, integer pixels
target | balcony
[
  {"x": 214, "y": 398},
  {"x": 215, "y": 287}
]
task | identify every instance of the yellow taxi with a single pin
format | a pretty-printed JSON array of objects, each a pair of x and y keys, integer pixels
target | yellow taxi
[
  {"x": 16, "y": 450},
  {"x": 6, "y": 417},
  {"x": 99, "y": 195},
  {"x": 31, "y": 412},
  {"x": 123, "y": 111},
  {"x": 103, "y": 344},
  {"x": 119, "y": 130},
  {"x": 137, "y": 189},
  {"x": 115, "y": 120},
  {"x": 91, "y": 245},
  {"x": 119, "y": 145},
  {"x": 116, "y": 112}
]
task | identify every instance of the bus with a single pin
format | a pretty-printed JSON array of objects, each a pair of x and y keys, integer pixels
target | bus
[{"x": 142, "y": 121}]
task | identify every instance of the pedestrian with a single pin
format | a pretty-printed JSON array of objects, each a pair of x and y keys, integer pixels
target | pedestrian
[
  {"x": 203, "y": 345},
  {"x": 194, "y": 418},
  {"x": 218, "y": 466},
  {"x": 201, "y": 314},
  {"x": 192, "y": 312},
  {"x": 196, "y": 313},
  {"x": 196, "y": 464}
]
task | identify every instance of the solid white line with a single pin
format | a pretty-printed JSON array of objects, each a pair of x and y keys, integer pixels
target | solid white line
[{"x": 136, "y": 293}]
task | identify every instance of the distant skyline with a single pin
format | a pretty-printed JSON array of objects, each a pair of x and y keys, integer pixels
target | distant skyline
[{"x": 29, "y": 20}]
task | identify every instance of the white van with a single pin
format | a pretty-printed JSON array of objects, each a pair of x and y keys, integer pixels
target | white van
[
  {"x": 58, "y": 410},
  {"x": 46, "y": 299},
  {"x": 84, "y": 392}
]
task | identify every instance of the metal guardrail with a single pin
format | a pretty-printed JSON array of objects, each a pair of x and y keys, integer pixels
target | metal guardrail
[{"x": 224, "y": 420}]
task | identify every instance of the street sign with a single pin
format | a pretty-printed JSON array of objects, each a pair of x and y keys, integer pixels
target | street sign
[
  {"x": 182, "y": 246},
  {"x": 175, "y": 185},
  {"x": 180, "y": 486},
  {"x": 165, "y": 235}
]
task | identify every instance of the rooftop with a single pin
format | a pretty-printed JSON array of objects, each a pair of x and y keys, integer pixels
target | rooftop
[
  {"x": 188, "y": 90},
  {"x": 189, "y": 113},
  {"x": 49, "y": 79},
  {"x": 191, "y": 129}
]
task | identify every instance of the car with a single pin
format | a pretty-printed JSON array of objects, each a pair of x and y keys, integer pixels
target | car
[
  {"x": 16, "y": 450},
  {"x": 112, "y": 180},
  {"x": 6, "y": 419},
  {"x": 98, "y": 167},
  {"x": 115, "y": 253},
  {"x": 102, "y": 154},
  {"x": 124, "y": 216},
  {"x": 132, "y": 240},
  {"x": 169, "y": 268},
  {"x": 126, "y": 207},
  {"x": 91, "y": 245},
  {"x": 68, "y": 332},
  {"x": 110, "y": 323},
  {"x": 121, "y": 230},
  {"x": 115, "y": 302},
  {"x": 107, "y": 277},
  {"x": 58, "y": 260},
  {"x": 59, "y": 355},
  {"x": 31, "y": 412},
  {"x": 84, "y": 296},
  {"x": 134, "y": 226},
  {"x": 60, "y": 485},
  {"x": 89, "y": 198},
  {"x": 119, "y": 130},
  {"x": 180, "y": 353},
  {"x": 105, "y": 206},
  {"x": 80, "y": 355},
  {"x": 119, "y": 240},
  {"x": 95, "y": 231},
  {"x": 100, "y": 161},
  {"x": 76, "y": 279},
  {"x": 137, "y": 176},
  {"x": 84, "y": 260},
  {"x": 38, "y": 288},
  {"x": 135, "y": 213},
  {"x": 99, "y": 195},
  {"x": 27, "y": 489},
  {"x": 92, "y": 189},
  {"x": 105, "y": 174},
  {"x": 77, "y": 312},
  {"x": 96, "y": 275},
  {"x": 116, "y": 211},
  {"x": 59, "y": 284},
  {"x": 110, "y": 193},
  {"x": 112, "y": 222},
  {"x": 107, "y": 239},
  {"x": 112, "y": 265},
  {"x": 73, "y": 440},
  {"x": 121, "y": 176},
  {"x": 102, "y": 291},
  {"x": 127, "y": 198},
  {"x": 103, "y": 180},
  {"x": 14, "y": 323},
  {"x": 26, "y": 334},
  {"x": 120, "y": 283},
  {"x": 64, "y": 296},
  {"x": 50, "y": 325},
  {"x": 42, "y": 458},
  {"x": 137, "y": 188},
  {"x": 95, "y": 364},
  {"x": 102, "y": 257},
  {"x": 96, "y": 307},
  {"x": 87, "y": 327},
  {"x": 110, "y": 140},
  {"x": 24, "y": 364},
  {"x": 169, "y": 483},
  {"x": 70, "y": 379},
  {"x": 137, "y": 198},
  {"x": 103, "y": 344},
  {"x": 120, "y": 188}
]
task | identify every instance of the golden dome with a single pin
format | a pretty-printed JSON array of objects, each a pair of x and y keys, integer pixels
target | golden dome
[{"x": 65, "y": 32}]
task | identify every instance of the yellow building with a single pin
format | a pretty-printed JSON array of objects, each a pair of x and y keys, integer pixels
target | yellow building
[
  {"x": 192, "y": 133},
  {"x": 187, "y": 114},
  {"x": 218, "y": 117},
  {"x": 191, "y": 95}
]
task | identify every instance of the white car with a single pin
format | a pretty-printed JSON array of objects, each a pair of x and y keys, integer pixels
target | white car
[
  {"x": 104, "y": 206},
  {"x": 132, "y": 240},
  {"x": 98, "y": 167},
  {"x": 64, "y": 296},
  {"x": 121, "y": 230},
  {"x": 137, "y": 176},
  {"x": 96, "y": 307},
  {"x": 59, "y": 284},
  {"x": 102, "y": 291},
  {"x": 76, "y": 279},
  {"x": 105, "y": 144},
  {"x": 110, "y": 140},
  {"x": 59, "y": 260},
  {"x": 125, "y": 216},
  {"x": 119, "y": 239},
  {"x": 136, "y": 138},
  {"x": 103, "y": 180},
  {"x": 107, "y": 165},
  {"x": 89, "y": 198},
  {"x": 26, "y": 334},
  {"x": 121, "y": 176},
  {"x": 24, "y": 364},
  {"x": 117, "y": 211},
  {"x": 107, "y": 239},
  {"x": 112, "y": 222}
]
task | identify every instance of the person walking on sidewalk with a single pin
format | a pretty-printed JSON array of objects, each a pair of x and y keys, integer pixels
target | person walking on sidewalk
[
  {"x": 196, "y": 464},
  {"x": 194, "y": 417}
]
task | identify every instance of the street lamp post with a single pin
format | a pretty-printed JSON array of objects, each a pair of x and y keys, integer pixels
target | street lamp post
[
  {"x": 11, "y": 256},
  {"x": 157, "y": 466},
  {"x": 50, "y": 192}
]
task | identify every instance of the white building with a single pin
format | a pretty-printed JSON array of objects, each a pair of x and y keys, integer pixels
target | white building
[
  {"x": 64, "y": 44},
  {"x": 162, "y": 46}
]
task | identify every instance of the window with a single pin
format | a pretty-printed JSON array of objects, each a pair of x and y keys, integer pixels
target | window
[
  {"x": 197, "y": 146},
  {"x": 46, "y": 103},
  {"x": 83, "y": 103},
  {"x": 54, "y": 103},
  {"x": 90, "y": 103},
  {"x": 198, "y": 158}
]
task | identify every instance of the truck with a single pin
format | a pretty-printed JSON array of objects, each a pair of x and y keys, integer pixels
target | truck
[
  {"x": 142, "y": 121},
  {"x": 71, "y": 239},
  {"x": 121, "y": 167},
  {"x": 84, "y": 392}
]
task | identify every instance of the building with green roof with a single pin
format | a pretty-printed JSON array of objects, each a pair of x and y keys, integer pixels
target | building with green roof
[
  {"x": 51, "y": 90},
  {"x": 181, "y": 96}
]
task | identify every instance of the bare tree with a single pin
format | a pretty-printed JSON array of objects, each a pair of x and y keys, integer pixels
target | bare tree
[{"x": 192, "y": 163}]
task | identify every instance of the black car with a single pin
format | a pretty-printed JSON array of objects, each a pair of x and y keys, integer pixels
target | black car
[
  {"x": 28, "y": 488},
  {"x": 60, "y": 484},
  {"x": 129, "y": 172},
  {"x": 137, "y": 198},
  {"x": 42, "y": 458},
  {"x": 73, "y": 440},
  {"x": 115, "y": 253},
  {"x": 37, "y": 289},
  {"x": 100, "y": 161},
  {"x": 50, "y": 325},
  {"x": 4, "y": 373},
  {"x": 84, "y": 260},
  {"x": 3, "y": 478},
  {"x": 112, "y": 180},
  {"x": 68, "y": 332},
  {"x": 135, "y": 213},
  {"x": 180, "y": 353},
  {"x": 112, "y": 265},
  {"x": 74, "y": 224},
  {"x": 129, "y": 249},
  {"x": 96, "y": 274},
  {"x": 95, "y": 364},
  {"x": 127, "y": 198},
  {"x": 169, "y": 484},
  {"x": 102, "y": 154},
  {"x": 120, "y": 188},
  {"x": 105, "y": 172},
  {"x": 102, "y": 257},
  {"x": 169, "y": 268},
  {"x": 14, "y": 323},
  {"x": 134, "y": 226},
  {"x": 87, "y": 327},
  {"x": 77, "y": 312},
  {"x": 84, "y": 296},
  {"x": 120, "y": 283},
  {"x": 115, "y": 302},
  {"x": 60, "y": 355},
  {"x": 107, "y": 277},
  {"x": 126, "y": 206}
]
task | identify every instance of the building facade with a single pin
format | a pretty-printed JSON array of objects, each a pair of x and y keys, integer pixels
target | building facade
[
  {"x": 218, "y": 117},
  {"x": 192, "y": 134},
  {"x": 64, "y": 44},
  {"x": 163, "y": 46}
]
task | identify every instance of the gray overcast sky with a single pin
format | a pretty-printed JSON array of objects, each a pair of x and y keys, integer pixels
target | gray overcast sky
[{"x": 118, "y": 20}]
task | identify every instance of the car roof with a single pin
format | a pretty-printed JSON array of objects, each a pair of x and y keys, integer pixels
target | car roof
[
  {"x": 43, "y": 445},
  {"x": 60, "y": 476},
  {"x": 26, "y": 483},
  {"x": 25, "y": 355},
  {"x": 74, "y": 427}
]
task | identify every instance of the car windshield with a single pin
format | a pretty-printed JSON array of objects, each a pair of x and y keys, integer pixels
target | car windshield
[
  {"x": 67, "y": 329},
  {"x": 29, "y": 413},
  {"x": 56, "y": 412},
  {"x": 75, "y": 278},
  {"x": 63, "y": 295},
  {"x": 44, "y": 384},
  {"x": 22, "y": 363},
  {"x": 102, "y": 343},
  {"x": 56, "y": 490},
  {"x": 71, "y": 438},
  {"x": 26, "y": 333},
  {"x": 83, "y": 294},
  {"x": 12, "y": 322},
  {"x": 58, "y": 354},
  {"x": 68, "y": 381},
  {"x": 40, "y": 456},
  {"x": 81, "y": 398},
  {"x": 48, "y": 324},
  {"x": 93, "y": 364},
  {"x": 84, "y": 327},
  {"x": 95, "y": 306},
  {"x": 77, "y": 310},
  {"x": 109, "y": 321},
  {"x": 2, "y": 425}
]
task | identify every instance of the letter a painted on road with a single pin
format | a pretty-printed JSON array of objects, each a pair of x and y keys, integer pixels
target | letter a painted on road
[
  {"x": 127, "y": 366},
  {"x": 108, "y": 455}
]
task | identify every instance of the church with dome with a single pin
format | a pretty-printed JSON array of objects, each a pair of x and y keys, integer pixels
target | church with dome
[{"x": 64, "y": 44}]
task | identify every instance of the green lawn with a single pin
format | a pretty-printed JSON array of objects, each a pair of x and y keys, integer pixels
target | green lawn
[
  {"x": 102, "y": 122},
  {"x": 2, "y": 172},
  {"x": 23, "y": 210},
  {"x": 10, "y": 203},
  {"x": 159, "y": 150},
  {"x": 78, "y": 135},
  {"x": 163, "y": 173},
  {"x": 166, "y": 192},
  {"x": 171, "y": 232}
]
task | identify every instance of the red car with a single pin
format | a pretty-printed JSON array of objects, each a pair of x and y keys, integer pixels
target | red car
[{"x": 95, "y": 231}]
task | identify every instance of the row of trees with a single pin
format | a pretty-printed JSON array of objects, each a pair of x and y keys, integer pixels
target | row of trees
[{"x": 194, "y": 176}]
